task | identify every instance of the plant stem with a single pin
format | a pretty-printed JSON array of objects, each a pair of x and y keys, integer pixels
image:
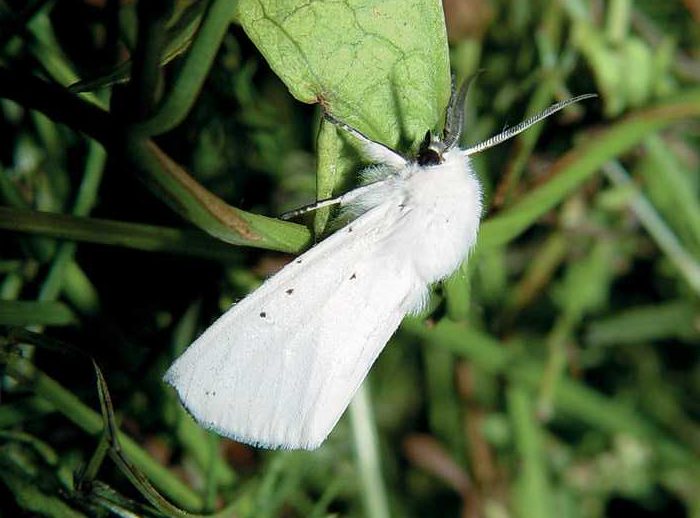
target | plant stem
[
  {"x": 117, "y": 233},
  {"x": 183, "y": 93},
  {"x": 687, "y": 265},
  {"x": 91, "y": 422},
  {"x": 533, "y": 492},
  {"x": 367, "y": 451}
]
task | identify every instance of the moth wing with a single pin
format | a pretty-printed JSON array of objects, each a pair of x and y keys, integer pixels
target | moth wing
[{"x": 280, "y": 367}]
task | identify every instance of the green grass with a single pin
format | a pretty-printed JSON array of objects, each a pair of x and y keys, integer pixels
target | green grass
[{"x": 554, "y": 374}]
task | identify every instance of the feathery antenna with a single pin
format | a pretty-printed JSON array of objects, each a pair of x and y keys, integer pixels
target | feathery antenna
[
  {"x": 512, "y": 132},
  {"x": 454, "y": 118}
]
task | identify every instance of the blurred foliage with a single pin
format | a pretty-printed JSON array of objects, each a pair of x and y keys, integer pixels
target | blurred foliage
[{"x": 556, "y": 373}]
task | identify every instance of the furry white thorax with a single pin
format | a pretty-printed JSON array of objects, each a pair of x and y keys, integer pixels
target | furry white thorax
[{"x": 437, "y": 210}]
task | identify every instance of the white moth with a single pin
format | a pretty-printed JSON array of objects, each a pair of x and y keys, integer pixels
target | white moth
[{"x": 279, "y": 368}]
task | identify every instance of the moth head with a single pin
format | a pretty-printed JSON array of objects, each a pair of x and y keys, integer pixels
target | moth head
[{"x": 433, "y": 148}]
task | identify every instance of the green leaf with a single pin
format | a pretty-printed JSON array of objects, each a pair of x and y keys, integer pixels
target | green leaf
[
  {"x": 39, "y": 447},
  {"x": 191, "y": 75},
  {"x": 29, "y": 497},
  {"x": 181, "y": 30},
  {"x": 209, "y": 212},
  {"x": 586, "y": 284},
  {"x": 25, "y": 313},
  {"x": 339, "y": 54},
  {"x": 116, "y": 233},
  {"x": 673, "y": 189},
  {"x": 27, "y": 469},
  {"x": 643, "y": 324}
]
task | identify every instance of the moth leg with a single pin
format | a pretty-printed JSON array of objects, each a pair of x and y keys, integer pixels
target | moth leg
[
  {"x": 378, "y": 153},
  {"x": 375, "y": 151},
  {"x": 311, "y": 207},
  {"x": 344, "y": 199}
]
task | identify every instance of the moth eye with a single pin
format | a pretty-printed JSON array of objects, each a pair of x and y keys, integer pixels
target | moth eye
[{"x": 429, "y": 157}]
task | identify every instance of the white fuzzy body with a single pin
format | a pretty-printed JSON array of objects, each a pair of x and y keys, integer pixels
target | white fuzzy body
[{"x": 279, "y": 368}]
